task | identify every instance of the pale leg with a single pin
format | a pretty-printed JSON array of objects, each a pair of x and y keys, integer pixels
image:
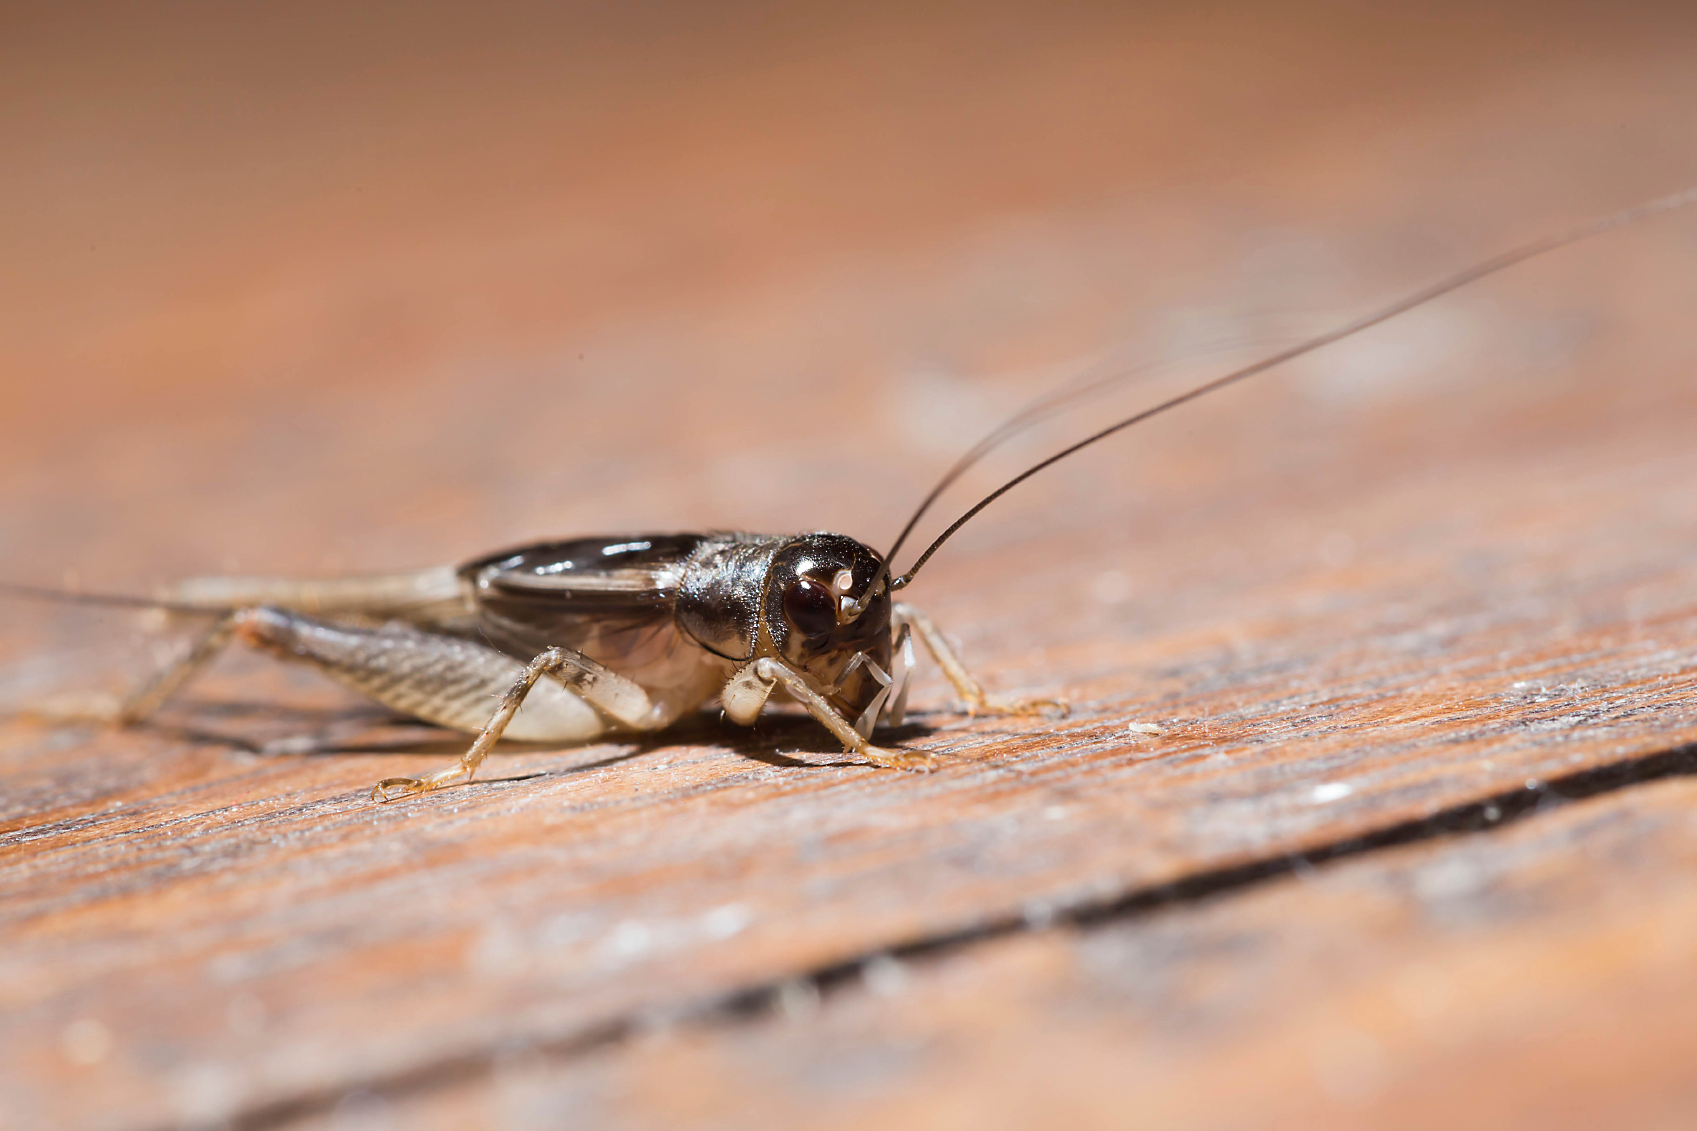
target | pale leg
[
  {"x": 418, "y": 596},
  {"x": 968, "y": 688},
  {"x": 775, "y": 673},
  {"x": 436, "y": 677},
  {"x": 622, "y": 700},
  {"x": 101, "y": 707}
]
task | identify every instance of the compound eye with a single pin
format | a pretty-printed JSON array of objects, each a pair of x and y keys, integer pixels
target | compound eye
[{"x": 810, "y": 606}]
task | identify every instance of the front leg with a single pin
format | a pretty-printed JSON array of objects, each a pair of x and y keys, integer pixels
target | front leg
[
  {"x": 749, "y": 689},
  {"x": 965, "y": 686}
]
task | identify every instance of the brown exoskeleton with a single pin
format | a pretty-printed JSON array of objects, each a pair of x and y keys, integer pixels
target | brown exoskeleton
[
  {"x": 590, "y": 636},
  {"x": 594, "y": 635}
]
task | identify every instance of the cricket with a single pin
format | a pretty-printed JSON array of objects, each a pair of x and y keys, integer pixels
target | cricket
[{"x": 583, "y": 638}]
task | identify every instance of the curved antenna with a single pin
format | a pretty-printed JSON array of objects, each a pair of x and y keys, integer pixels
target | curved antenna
[
  {"x": 1419, "y": 298},
  {"x": 1035, "y": 412},
  {"x": 1041, "y": 409}
]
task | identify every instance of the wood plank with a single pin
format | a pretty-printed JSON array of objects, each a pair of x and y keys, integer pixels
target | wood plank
[
  {"x": 537, "y": 908},
  {"x": 1535, "y": 976},
  {"x": 1363, "y": 593}
]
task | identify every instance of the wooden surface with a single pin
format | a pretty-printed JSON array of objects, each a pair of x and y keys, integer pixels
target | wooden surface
[{"x": 1418, "y": 620}]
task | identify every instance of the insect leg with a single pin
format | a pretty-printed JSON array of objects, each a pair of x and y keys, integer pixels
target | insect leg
[
  {"x": 420, "y": 595},
  {"x": 151, "y": 695},
  {"x": 965, "y": 685},
  {"x": 901, "y": 670},
  {"x": 626, "y": 702},
  {"x": 101, "y": 707},
  {"x": 775, "y": 673},
  {"x": 875, "y": 710},
  {"x": 448, "y": 680}
]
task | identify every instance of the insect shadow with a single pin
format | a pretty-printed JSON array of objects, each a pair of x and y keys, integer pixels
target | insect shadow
[{"x": 360, "y": 730}]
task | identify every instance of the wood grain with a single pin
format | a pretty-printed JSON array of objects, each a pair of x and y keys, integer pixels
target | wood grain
[
  {"x": 1533, "y": 977},
  {"x": 1449, "y": 564}
]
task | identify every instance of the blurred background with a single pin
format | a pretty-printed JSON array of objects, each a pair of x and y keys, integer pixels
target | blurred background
[
  {"x": 361, "y": 286},
  {"x": 331, "y": 287}
]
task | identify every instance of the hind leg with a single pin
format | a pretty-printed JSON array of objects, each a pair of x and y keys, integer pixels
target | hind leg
[
  {"x": 439, "y": 678},
  {"x": 143, "y": 701},
  {"x": 147, "y": 698},
  {"x": 418, "y": 596},
  {"x": 450, "y": 681},
  {"x": 624, "y": 701}
]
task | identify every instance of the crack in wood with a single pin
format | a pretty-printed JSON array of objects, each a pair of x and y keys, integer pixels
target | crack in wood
[{"x": 754, "y": 1002}]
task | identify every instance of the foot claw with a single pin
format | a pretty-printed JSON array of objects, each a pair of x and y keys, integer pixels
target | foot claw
[
  {"x": 988, "y": 706},
  {"x": 914, "y": 761},
  {"x": 408, "y": 787}
]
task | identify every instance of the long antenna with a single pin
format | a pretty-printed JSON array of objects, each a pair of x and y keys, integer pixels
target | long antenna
[
  {"x": 1092, "y": 380},
  {"x": 1419, "y": 298}
]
